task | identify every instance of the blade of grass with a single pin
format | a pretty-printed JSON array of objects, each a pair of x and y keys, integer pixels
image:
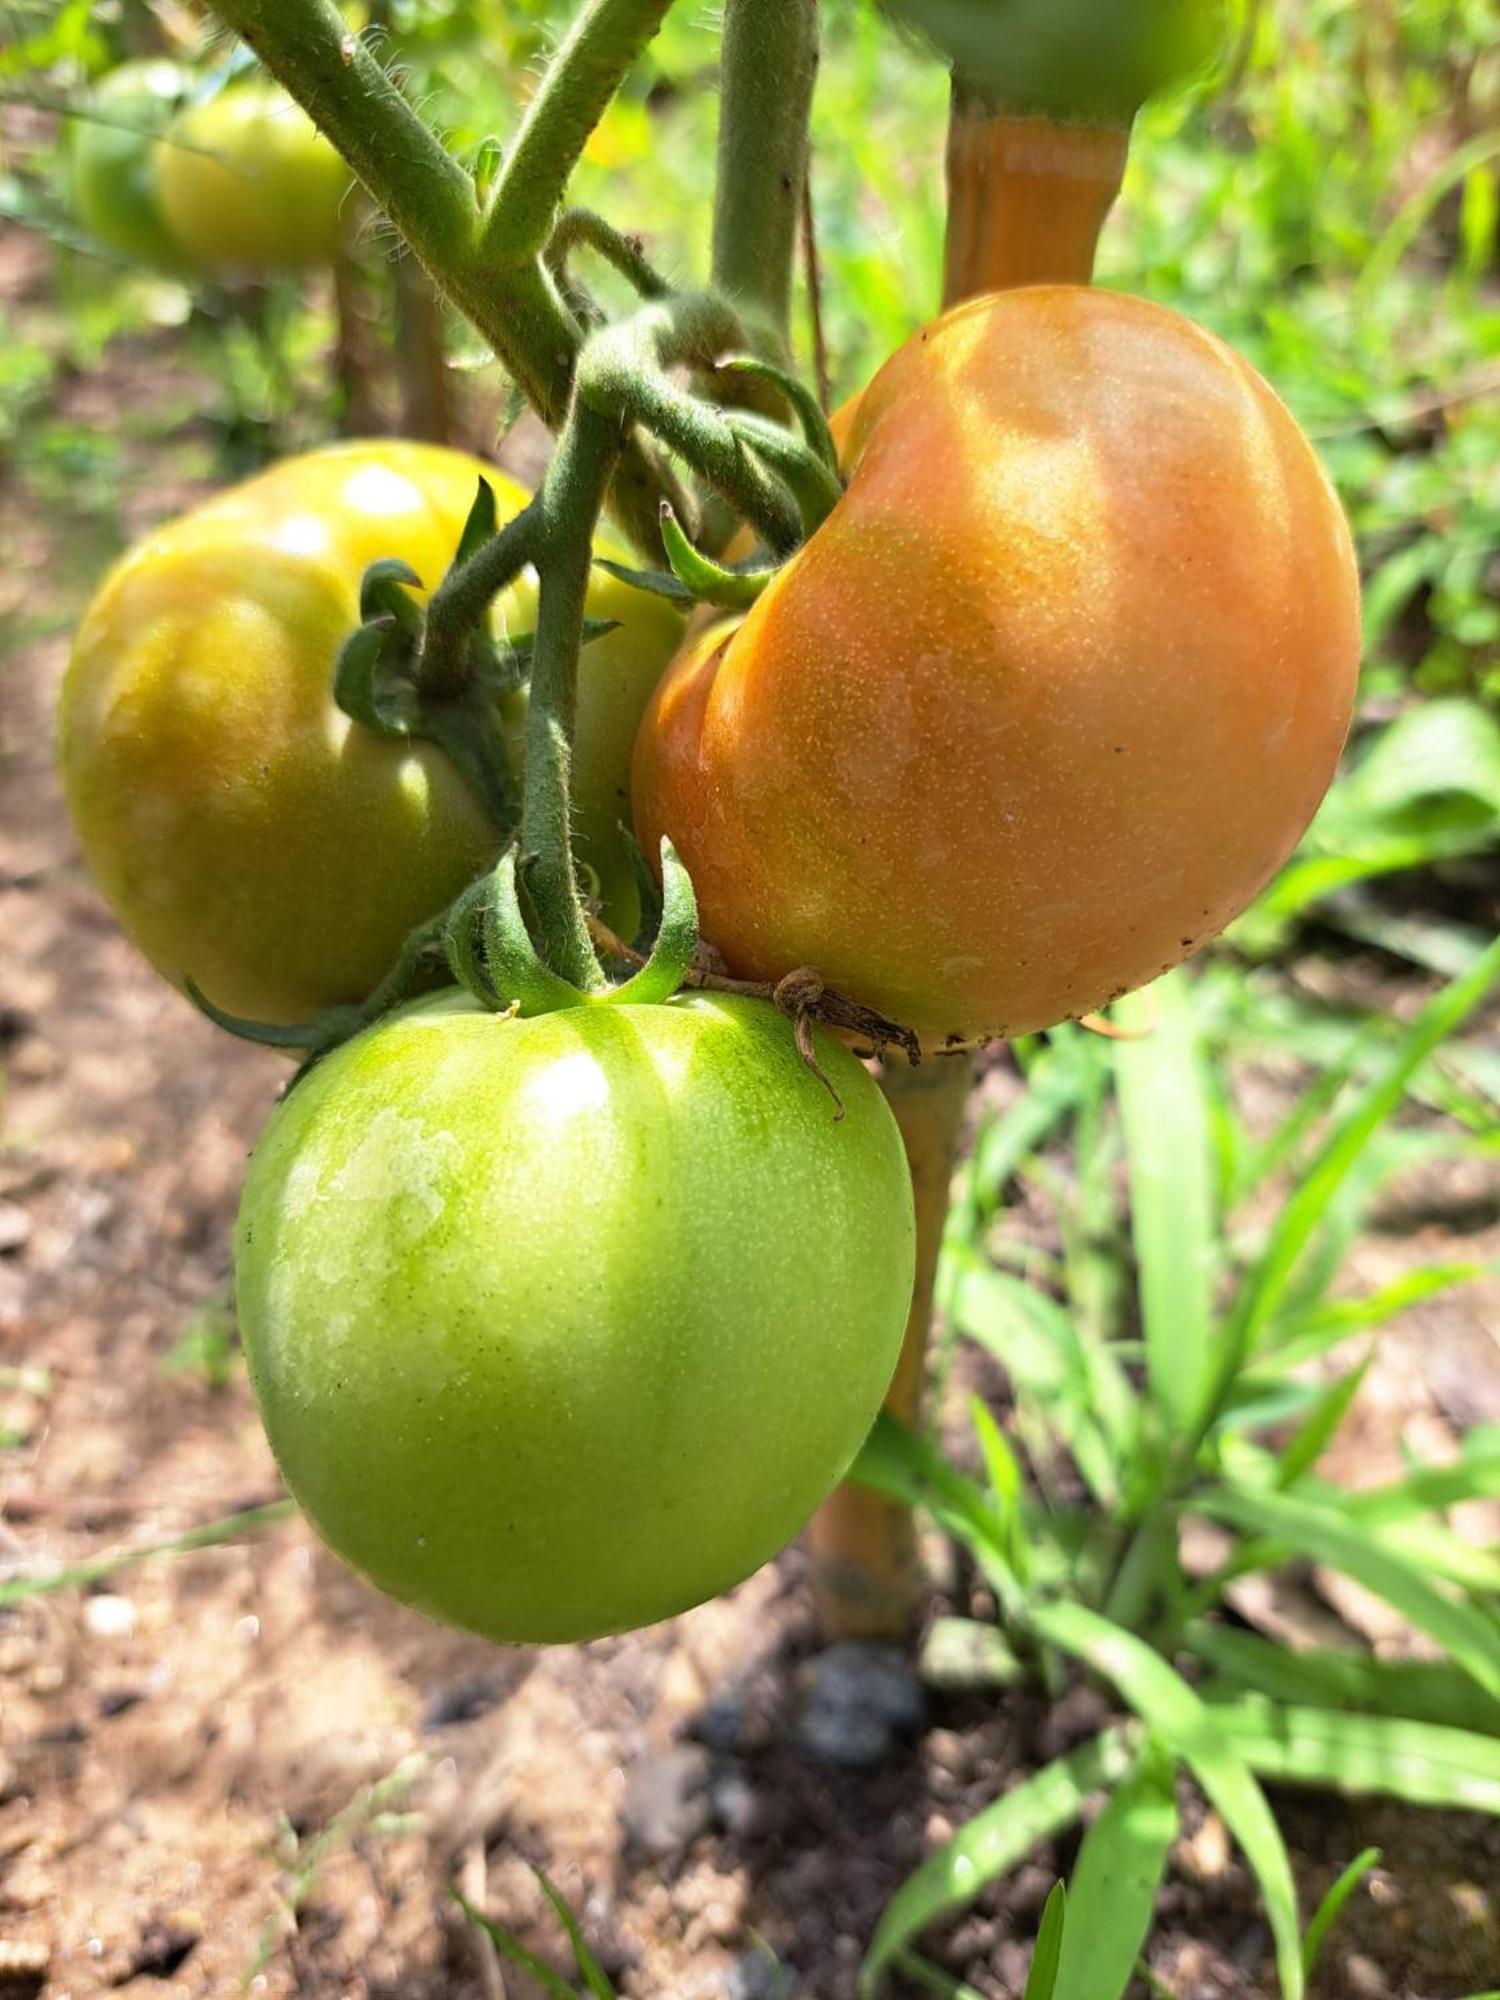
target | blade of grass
[
  {"x": 1046, "y": 1955},
  {"x": 1112, "y": 1890},
  {"x": 1307, "y": 1336},
  {"x": 1420, "y": 1690},
  {"x": 1335, "y": 1160},
  {"x": 1329, "y": 1910},
  {"x": 1165, "y": 1701},
  {"x": 1354, "y": 1547},
  {"x": 552, "y": 1983},
  {"x": 1164, "y": 1116},
  {"x": 1308, "y": 1444},
  {"x": 993, "y": 1841},
  {"x": 932, "y": 1978},
  {"x": 1424, "y": 1763},
  {"x": 15, "y": 1589},
  {"x": 589, "y": 1969}
]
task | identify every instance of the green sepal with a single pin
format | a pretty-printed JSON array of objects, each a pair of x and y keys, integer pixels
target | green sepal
[
  {"x": 372, "y": 679},
  {"x": 480, "y": 527},
  {"x": 512, "y": 962},
  {"x": 805, "y": 405},
  {"x": 383, "y": 593},
  {"x": 332, "y": 1025},
  {"x": 708, "y": 581},
  {"x": 815, "y": 487},
  {"x": 647, "y": 890},
  {"x": 657, "y": 581},
  {"x": 463, "y": 944},
  {"x": 671, "y": 956}
]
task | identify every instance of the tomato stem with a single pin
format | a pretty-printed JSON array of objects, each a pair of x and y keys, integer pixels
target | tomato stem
[
  {"x": 1027, "y": 196},
  {"x": 767, "y": 65},
  {"x": 571, "y": 499},
  {"x": 588, "y": 68}
]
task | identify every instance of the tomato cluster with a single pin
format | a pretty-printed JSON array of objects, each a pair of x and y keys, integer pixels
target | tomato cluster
[
  {"x": 564, "y": 1307},
  {"x": 238, "y": 179},
  {"x": 558, "y": 1325}
]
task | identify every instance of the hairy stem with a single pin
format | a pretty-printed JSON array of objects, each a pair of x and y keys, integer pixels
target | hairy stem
[
  {"x": 588, "y": 68},
  {"x": 767, "y": 68},
  {"x": 571, "y": 498},
  {"x": 334, "y": 75}
]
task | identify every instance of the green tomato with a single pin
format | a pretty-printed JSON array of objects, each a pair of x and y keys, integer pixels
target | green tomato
[
  {"x": 244, "y": 830},
  {"x": 113, "y": 165},
  {"x": 559, "y": 1326},
  {"x": 1071, "y": 58},
  {"x": 248, "y": 183}
]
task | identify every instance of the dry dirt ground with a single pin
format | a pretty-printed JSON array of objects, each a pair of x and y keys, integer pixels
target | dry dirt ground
[{"x": 240, "y": 1769}]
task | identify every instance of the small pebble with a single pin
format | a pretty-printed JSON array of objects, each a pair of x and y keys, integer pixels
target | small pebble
[
  {"x": 108, "y": 1617},
  {"x": 859, "y": 1699},
  {"x": 667, "y": 1802}
]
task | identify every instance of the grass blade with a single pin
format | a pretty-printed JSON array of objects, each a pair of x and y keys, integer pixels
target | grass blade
[
  {"x": 1164, "y": 1115},
  {"x": 1163, "y": 1698},
  {"x": 1353, "y": 1546},
  {"x": 1046, "y": 1957},
  {"x": 1424, "y": 1763},
  {"x": 552, "y": 1983},
  {"x": 1342, "y": 1151},
  {"x": 1316, "y": 1432},
  {"x": 993, "y": 1841},
  {"x": 1326, "y": 1915},
  {"x": 1323, "y": 1677},
  {"x": 1080, "y": 1389},
  {"x": 932, "y": 1978},
  {"x": 900, "y": 1463},
  {"x": 1312, "y": 1332},
  {"x": 589, "y": 1969},
  {"x": 94, "y": 1569},
  {"x": 1112, "y": 1891}
]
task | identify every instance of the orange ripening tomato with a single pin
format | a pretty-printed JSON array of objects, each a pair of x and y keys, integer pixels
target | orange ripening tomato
[{"x": 1047, "y": 698}]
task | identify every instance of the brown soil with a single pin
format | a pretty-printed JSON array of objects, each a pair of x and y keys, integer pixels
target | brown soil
[{"x": 176, "y": 1739}]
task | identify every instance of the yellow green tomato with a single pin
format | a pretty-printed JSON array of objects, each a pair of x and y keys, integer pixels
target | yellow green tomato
[
  {"x": 112, "y": 160},
  {"x": 559, "y": 1326},
  {"x": 248, "y": 183},
  {"x": 248, "y": 834}
]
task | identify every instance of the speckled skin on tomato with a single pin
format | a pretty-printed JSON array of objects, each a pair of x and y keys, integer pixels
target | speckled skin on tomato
[
  {"x": 560, "y": 1326},
  {"x": 1048, "y": 697},
  {"x": 245, "y": 831}
]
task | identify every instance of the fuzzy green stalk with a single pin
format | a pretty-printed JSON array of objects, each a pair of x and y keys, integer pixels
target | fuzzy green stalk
[{"x": 768, "y": 64}]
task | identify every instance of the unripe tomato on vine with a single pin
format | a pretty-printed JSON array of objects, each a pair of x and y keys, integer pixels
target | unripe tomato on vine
[
  {"x": 248, "y": 183},
  {"x": 247, "y": 834},
  {"x": 561, "y": 1325},
  {"x": 1049, "y": 696},
  {"x": 113, "y": 165}
]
